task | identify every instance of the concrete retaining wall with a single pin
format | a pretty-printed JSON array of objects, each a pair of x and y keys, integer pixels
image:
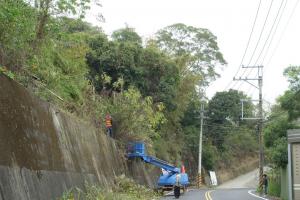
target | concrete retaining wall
[{"x": 44, "y": 151}]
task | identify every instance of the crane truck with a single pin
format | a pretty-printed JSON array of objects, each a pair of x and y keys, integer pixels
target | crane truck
[{"x": 166, "y": 180}]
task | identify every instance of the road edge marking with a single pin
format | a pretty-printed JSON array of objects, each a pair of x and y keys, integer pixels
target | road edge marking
[{"x": 250, "y": 192}]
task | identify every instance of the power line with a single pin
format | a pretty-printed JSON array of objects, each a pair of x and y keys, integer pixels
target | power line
[
  {"x": 247, "y": 46},
  {"x": 241, "y": 84},
  {"x": 282, "y": 33},
  {"x": 259, "y": 38},
  {"x": 274, "y": 33},
  {"x": 271, "y": 31},
  {"x": 263, "y": 28},
  {"x": 268, "y": 37}
]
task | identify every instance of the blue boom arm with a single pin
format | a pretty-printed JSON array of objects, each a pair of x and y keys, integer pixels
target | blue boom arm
[
  {"x": 137, "y": 150},
  {"x": 160, "y": 163}
]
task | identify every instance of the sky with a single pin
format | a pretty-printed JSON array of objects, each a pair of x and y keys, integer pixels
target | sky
[{"x": 231, "y": 21}]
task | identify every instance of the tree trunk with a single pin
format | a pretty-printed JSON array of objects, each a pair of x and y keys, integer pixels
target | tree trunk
[{"x": 43, "y": 18}]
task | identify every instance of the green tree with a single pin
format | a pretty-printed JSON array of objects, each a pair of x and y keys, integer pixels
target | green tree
[
  {"x": 126, "y": 35},
  {"x": 66, "y": 25},
  {"x": 278, "y": 153},
  {"x": 277, "y": 126},
  {"x": 147, "y": 68},
  {"x": 290, "y": 101},
  {"x": 49, "y": 8},
  {"x": 116, "y": 60},
  {"x": 191, "y": 126},
  {"x": 160, "y": 77},
  {"x": 226, "y": 106},
  {"x": 282, "y": 118},
  {"x": 196, "y": 46},
  {"x": 136, "y": 118},
  {"x": 293, "y": 75},
  {"x": 224, "y": 110},
  {"x": 275, "y": 135},
  {"x": 196, "y": 55}
]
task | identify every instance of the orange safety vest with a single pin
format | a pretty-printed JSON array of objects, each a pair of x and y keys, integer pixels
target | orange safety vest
[
  {"x": 182, "y": 169},
  {"x": 108, "y": 121}
]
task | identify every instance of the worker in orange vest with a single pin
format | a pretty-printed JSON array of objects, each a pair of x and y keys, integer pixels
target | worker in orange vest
[{"x": 108, "y": 124}]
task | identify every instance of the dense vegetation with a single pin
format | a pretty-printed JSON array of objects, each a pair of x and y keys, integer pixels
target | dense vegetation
[
  {"x": 284, "y": 116},
  {"x": 149, "y": 88}
]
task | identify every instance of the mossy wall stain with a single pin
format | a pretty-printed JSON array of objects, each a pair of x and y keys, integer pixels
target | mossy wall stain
[{"x": 44, "y": 151}]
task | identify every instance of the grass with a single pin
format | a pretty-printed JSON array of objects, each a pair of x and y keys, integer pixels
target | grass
[
  {"x": 274, "y": 187},
  {"x": 274, "y": 183},
  {"x": 124, "y": 189}
]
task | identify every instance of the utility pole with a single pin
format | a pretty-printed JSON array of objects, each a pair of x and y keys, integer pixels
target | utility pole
[
  {"x": 200, "y": 144},
  {"x": 202, "y": 100},
  {"x": 260, "y": 133},
  {"x": 259, "y": 118}
]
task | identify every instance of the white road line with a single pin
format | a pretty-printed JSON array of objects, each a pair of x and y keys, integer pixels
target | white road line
[{"x": 250, "y": 192}]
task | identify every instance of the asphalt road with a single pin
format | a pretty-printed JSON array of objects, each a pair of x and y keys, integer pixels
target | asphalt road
[
  {"x": 218, "y": 194},
  {"x": 240, "y": 188}
]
